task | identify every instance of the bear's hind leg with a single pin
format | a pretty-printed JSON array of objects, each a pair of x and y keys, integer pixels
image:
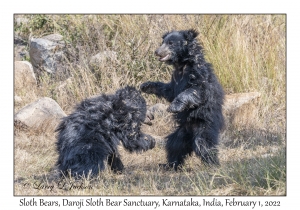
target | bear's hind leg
[
  {"x": 115, "y": 163},
  {"x": 179, "y": 146},
  {"x": 205, "y": 146}
]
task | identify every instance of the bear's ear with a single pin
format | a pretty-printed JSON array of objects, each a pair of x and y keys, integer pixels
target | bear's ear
[{"x": 190, "y": 34}]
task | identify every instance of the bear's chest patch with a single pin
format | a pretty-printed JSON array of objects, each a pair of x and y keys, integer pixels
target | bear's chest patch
[{"x": 180, "y": 80}]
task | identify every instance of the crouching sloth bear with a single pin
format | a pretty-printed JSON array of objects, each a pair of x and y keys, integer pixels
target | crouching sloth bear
[
  {"x": 196, "y": 97},
  {"x": 91, "y": 134}
]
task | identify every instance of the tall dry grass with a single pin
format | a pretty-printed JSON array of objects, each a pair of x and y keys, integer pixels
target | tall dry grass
[{"x": 248, "y": 54}]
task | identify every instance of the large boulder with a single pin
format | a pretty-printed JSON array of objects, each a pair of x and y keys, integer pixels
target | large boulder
[
  {"x": 237, "y": 100},
  {"x": 43, "y": 114},
  {"x": 240, "y": 108},
  {"x": 237, "y": 108},
  {"x": 24, "y": 75},
  {"x": 46, "y": 53}
]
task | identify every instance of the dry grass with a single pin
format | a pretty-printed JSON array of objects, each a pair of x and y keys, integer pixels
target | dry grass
[{"x": 248, "y": 54}]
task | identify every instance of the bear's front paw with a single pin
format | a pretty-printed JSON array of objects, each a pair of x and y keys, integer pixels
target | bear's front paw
[
  {"x": 151, "y": 141},
  {"x": 152, "y": 144},
  {"x": 147, "y": 87},
  {"x": 149, "y": 118},
  {"x": 176, "y": 106}
]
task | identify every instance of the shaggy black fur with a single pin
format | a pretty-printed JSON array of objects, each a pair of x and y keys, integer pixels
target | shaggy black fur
[
  {"x": 195, "y": 95},
  {"x": 90, "y": 135}
]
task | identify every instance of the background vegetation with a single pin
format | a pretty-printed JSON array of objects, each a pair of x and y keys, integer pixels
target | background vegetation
[{"x": 248, "y": 53}]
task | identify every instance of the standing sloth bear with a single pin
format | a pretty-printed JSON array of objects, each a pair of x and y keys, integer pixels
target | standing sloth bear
[
  {"x": 91, "y": 134},
  {"x": 196, "y": 97}
]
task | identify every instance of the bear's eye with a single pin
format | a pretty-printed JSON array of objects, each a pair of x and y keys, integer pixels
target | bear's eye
[{"x": 170, "y": 42}]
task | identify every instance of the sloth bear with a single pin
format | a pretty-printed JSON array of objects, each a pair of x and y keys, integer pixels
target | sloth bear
[
  {"x": 91, "y": 134},
  {"x": 196, "y": 98}
]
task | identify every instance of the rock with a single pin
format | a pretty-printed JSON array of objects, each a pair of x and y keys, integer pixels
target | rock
[
  {"x": 57, "y": 38},
  {"x": 24, "y": 75},
  {"x": 101, "y": 57},
  {"x": 237, "y": 108},
  {"x": 234, "y": 101},
  {"x": 43, "y": 115},
  {"x": 240, "y": 109},
  {"x": 46, "y": 53}
]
